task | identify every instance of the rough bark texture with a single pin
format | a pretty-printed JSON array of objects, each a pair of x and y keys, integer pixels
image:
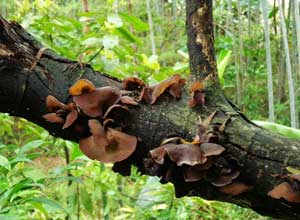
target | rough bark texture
[{"x": 25, "y": 81}]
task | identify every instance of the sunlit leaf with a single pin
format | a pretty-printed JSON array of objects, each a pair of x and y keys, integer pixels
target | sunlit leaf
[
  {"x": 4, "y": 162},
  {"x": 110, "y": 41},
  {"x": 281, "y": 129},
  {"x": 127, "y": 35},
  {"x": 115, "y": 20},
  {"x": 86, "y": 200},
  {"x": 31, "y": 145},
  {"x": 223, "y": 61},
  {"x": 49, "y": 202},
  {"x": 137, "y": 23}
]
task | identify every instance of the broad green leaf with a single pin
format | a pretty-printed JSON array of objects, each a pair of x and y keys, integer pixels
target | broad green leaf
[
  {"x": 20, "y": 159},
  {"x": 281, "y": 129},
  {"x": 127, "y": 35},
  {"x": 86, "y": 200},
  {"x": 137, "y": 23},
  {"x": 273, "y": 12},
  {"x": 77, "y": 24},
  {"x": 48, "y": 202},
  {"x": 22, "y": 184},
  {"x": 26, "y": 194},
  {"x": 147, "y": 196},
  {"x": 76, "y": 152},
  {"x": 293, "y": 170},
  {"x": 222, "y": 63},
  {"x": 4, "y": 162},
  {"x": 40, "y": 207},
  {"x": 34, "y": 173},
  {"x": 31, "y": 145}
]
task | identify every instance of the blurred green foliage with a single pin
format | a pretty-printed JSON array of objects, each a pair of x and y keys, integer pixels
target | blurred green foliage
[
  {"x": 36, "y": 183},
  {"x": 38, "y": 178}
]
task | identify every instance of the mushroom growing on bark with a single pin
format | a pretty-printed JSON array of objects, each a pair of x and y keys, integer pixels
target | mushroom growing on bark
[{"x": 107, "y": 145}]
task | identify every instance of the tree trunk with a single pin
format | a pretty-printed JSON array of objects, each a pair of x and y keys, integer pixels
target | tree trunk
[
  {"x": 151, "y": 28},
  {"x": 288, "y": 68},
  {"x": 297, "y": 25},
  {"x": 269, "y": 61},
  {"x": 261, "y": 157}
]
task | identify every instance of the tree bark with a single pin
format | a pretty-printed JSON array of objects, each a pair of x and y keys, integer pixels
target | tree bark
[{"x": 27, "y": 76}]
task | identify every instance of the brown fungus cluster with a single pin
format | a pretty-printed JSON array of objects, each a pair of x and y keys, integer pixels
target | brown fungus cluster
[
  {"x": 197, "y": 93},
  {"x": 288, "y": 190},
  {"x": 172, "y": 86},
  {"x": 198, "y": 160},
  {"x": 100, "y": 107},
  {"x": 104, "y": 111}
]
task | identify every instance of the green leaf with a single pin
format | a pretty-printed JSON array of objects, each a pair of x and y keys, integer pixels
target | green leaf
[
  {"x": 77, "y": 24},
  {"x": 123, "y": 32},
  {"x": 31, "y": 145},
  {"x": 4, "y": 162},
  {"x": 281, "y": 129},
  {"x": 293, "y": 170},
  {"x": 40, "y": 207},
  {"x": 76, "y": 152},
  {"x": 86, "y": 200},
  {"x": 34, "y": 173},
  {"x": 48, "y": 202},
  {"x": 68, "y": 178},
  {"x": 273, "y": 12},
  {"x": 137, "y": 23},
  {"x": 224, "y": 59},
  {"x": 20, "y": 159}
]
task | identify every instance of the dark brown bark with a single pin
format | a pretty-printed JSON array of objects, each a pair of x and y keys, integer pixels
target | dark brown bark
[{"x": 25, "y": 81}]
